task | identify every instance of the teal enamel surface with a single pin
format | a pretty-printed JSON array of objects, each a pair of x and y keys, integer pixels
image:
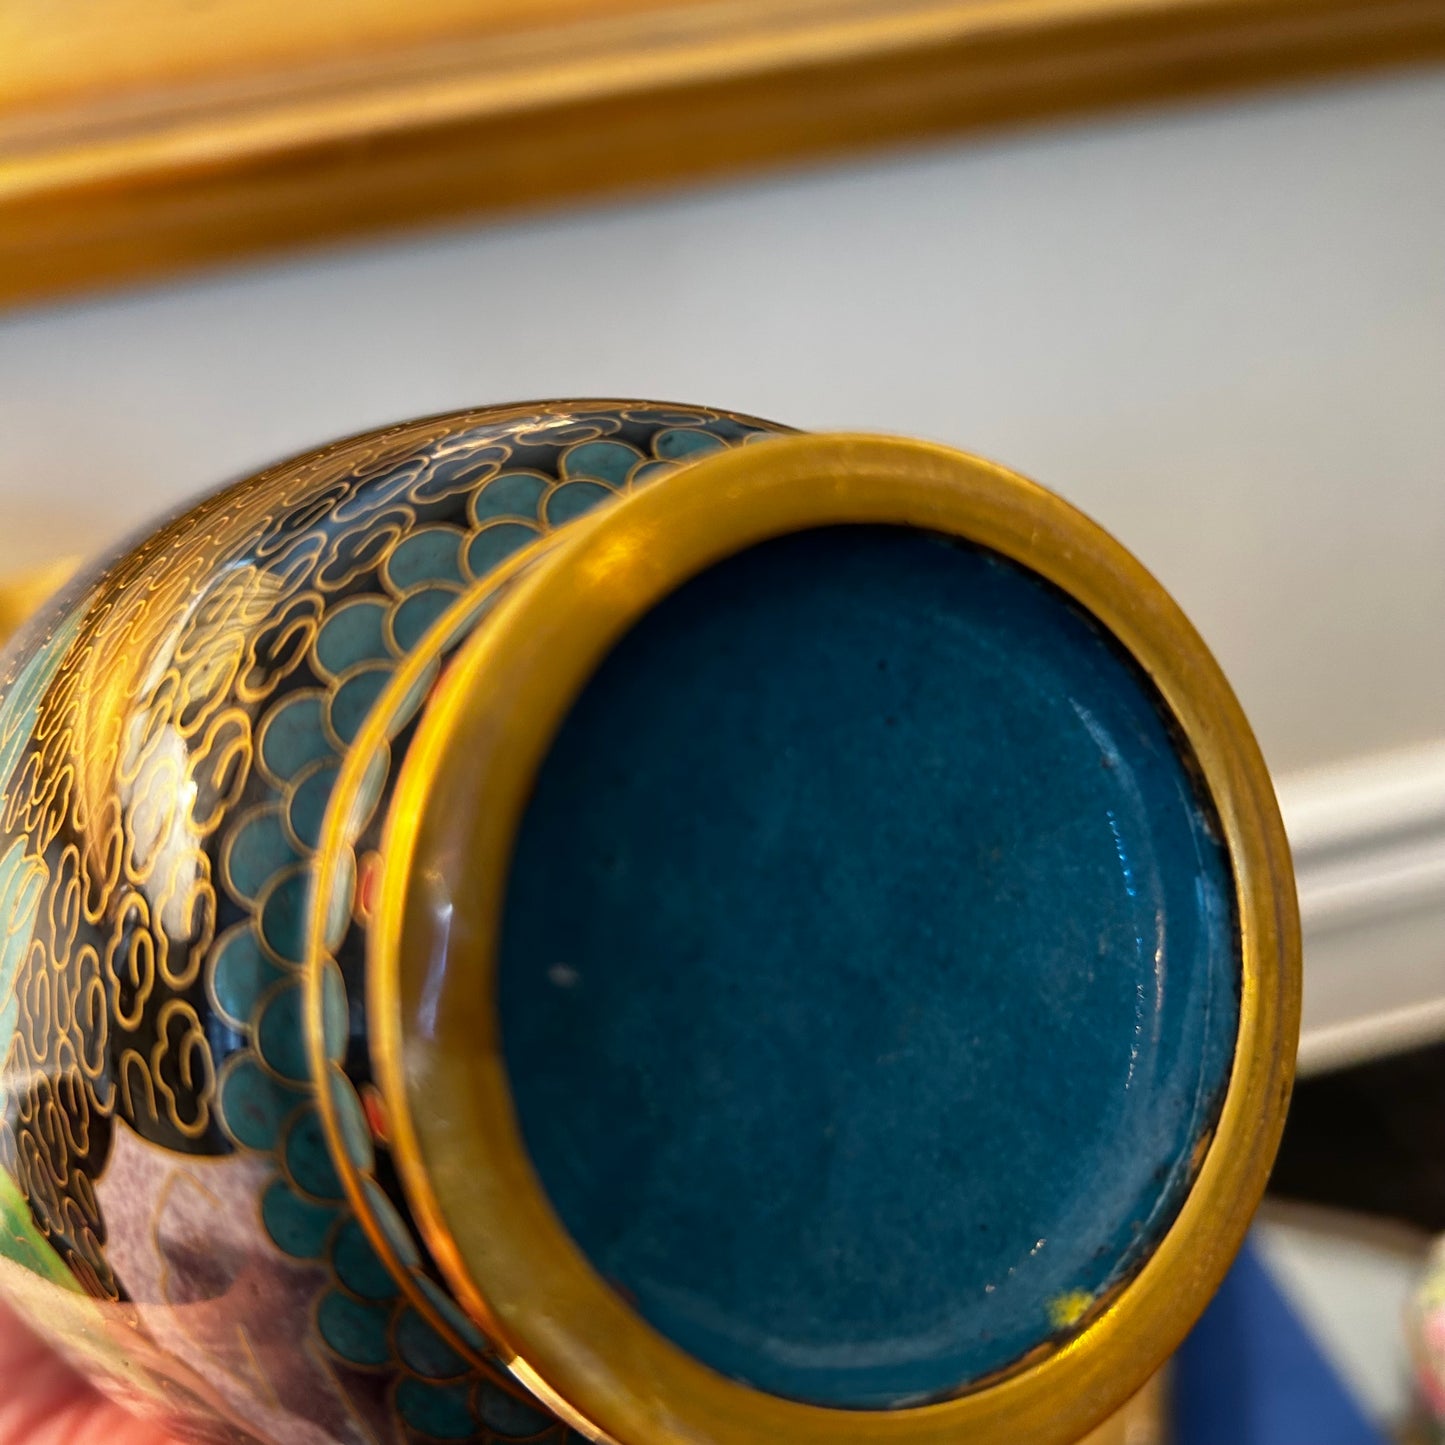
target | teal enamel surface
[
  {"x": 297, "y": 1226},
  {"x": 438, "y": 1412},
  {"x": 868, "y": 973}
]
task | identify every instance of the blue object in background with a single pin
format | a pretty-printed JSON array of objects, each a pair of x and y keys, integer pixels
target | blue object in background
[{"x": 1251, "y": 1374}]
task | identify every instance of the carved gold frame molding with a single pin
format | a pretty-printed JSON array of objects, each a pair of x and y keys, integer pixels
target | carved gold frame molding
[{"x": 138, "y": 137}]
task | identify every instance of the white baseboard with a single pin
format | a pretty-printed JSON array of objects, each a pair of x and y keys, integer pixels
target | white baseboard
[{"x": 1369, "y": 847}]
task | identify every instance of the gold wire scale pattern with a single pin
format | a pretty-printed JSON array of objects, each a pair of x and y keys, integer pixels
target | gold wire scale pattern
[{"x": 555, "y": 1323}]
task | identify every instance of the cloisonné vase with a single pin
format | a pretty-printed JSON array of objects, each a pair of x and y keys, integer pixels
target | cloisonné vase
[{"x": 624, "y": 921}]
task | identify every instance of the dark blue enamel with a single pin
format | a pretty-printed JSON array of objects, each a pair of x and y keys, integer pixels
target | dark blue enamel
[{"x": 869, "y": 969}]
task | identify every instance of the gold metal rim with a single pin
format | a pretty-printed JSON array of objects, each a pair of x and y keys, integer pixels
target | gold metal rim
[
  {"x": 342, "y": 824},
  {"x": 561, "y": 1328}
]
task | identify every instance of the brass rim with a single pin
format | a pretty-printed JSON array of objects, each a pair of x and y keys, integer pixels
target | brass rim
[
  {"x": 560, "y": 1327},
  {"x": 343, "y": 823}
]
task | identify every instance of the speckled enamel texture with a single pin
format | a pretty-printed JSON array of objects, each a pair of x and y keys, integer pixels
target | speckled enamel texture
[{"x": 867, "y": 987}]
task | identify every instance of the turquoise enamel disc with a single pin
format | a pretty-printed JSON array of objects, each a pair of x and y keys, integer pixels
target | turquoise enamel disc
[{"x": 869, "y": 972}]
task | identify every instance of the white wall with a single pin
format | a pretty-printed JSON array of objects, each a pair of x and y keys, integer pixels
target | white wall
[{"x": 1220, "y": 330}]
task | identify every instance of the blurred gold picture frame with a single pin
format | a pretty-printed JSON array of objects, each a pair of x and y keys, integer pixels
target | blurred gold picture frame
[{"x": 142, "y": 137}]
